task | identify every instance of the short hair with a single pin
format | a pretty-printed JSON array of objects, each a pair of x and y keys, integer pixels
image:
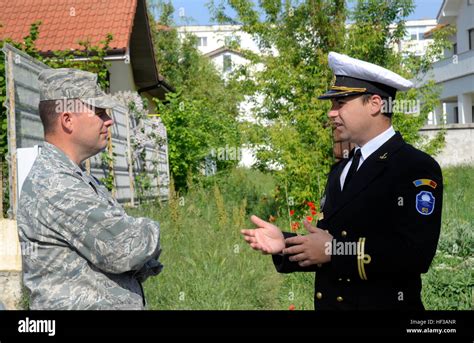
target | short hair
[
  {"x": 49, "y": 115},
  {"x": 366, "y": 98},
  {"x": 49, "y": 111}
]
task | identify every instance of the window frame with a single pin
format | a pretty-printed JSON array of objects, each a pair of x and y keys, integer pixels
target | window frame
[{"x": 470, "y": 37}]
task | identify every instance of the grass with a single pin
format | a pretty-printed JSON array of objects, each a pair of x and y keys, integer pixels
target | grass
[
  {"x": 209, "y": 267},
  {"x": 449, "y": 284},
  {"x": 207, "y": 264}
]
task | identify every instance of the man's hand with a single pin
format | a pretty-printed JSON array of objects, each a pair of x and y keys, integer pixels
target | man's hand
[
  {"x": 266, "y": 238},
  {"x": 309, "y": 249}
]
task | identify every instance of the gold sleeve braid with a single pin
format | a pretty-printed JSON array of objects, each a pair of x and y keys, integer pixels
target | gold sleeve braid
[{"x": 362, "y": 258}]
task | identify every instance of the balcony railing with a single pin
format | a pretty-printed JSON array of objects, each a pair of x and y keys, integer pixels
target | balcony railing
[{"x": 453, "y": 67}]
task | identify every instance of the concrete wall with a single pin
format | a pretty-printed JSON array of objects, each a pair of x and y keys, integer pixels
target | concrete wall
[
  {"x": 459, "y": 148},
  {"x": 10, "y": 265}
]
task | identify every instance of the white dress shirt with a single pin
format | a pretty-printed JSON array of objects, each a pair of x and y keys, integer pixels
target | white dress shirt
[{"x": 367, "y": 150}]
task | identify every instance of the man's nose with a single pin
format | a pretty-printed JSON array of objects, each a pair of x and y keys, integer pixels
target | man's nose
[
  {"x": 333, "y": 112},
  {"x": 108, "y": 121}
]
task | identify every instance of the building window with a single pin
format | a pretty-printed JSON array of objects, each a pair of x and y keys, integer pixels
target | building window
[
  {"x": 455, "y": 49},
  {"x": 416, "y": 33},
  {"x": 456, "y": 115},
  {"x": 471, "y": 39},
  {"x": 227, "y": 63},
  {"x": 202, "y": 41}
]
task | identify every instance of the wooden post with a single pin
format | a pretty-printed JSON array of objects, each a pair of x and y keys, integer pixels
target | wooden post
[
  {"x": 12, "y": 137},
  {"x": 110, "y": 151},
  {"x": 88, "y": 166},
  {"x": 341, "y": 148},
  {"x": 129, "y": 160},
  {"x": 167, "y": 161},
  {"x": 157, "y": 171}
]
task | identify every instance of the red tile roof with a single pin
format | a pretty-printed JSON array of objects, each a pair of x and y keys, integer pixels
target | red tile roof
[{"x": 65, "y": 22}]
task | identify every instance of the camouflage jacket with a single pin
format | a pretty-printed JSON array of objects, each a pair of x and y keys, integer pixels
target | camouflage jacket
[{"x": 81, "y": 250}]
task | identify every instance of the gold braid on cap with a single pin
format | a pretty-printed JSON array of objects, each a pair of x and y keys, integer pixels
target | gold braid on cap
[{"x": 348, "y": 89}]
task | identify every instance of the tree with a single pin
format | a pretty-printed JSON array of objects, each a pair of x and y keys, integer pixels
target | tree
[
  {"x": 298, "y": 137},
  {"x": 201, "y": 116},
  {"x": 380, "y": 24}
]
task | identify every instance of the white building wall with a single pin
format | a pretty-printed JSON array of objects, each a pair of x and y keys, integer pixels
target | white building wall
[
  {"x": 414, "y": 40},
  {"x": 236, "y": 60},
  {"x": 455, "y": 75},
  {"x": 121, "y": 79},
  {"x": 464, "y": 22},
  {"x": 121, "y": 76},
  {"x": 216, "y": 36}
]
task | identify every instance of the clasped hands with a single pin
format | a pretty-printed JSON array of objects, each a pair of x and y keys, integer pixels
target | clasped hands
[{"x": 305, "y": 249}]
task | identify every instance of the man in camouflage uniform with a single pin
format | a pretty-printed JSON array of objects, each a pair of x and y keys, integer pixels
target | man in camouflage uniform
[{"x": 87, "y": 253}]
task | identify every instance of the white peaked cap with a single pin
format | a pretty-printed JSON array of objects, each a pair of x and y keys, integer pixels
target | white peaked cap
[{"x": 343, "y": 65}]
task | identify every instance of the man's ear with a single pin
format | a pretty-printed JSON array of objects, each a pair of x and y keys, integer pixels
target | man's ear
[
  {"x": 67, "y": 121},
  {"x": 376, "y": 104}
]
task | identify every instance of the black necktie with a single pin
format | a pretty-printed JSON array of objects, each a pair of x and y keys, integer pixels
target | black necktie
[{"x": 353, "y": 168}]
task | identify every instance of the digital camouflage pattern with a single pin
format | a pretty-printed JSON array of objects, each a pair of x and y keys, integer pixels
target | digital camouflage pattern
[
  {"x": 67, "y": 83},
  {"x": 84, "y": 251}
]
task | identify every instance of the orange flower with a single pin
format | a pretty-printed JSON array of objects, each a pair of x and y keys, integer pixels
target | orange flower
[
  {"x": 291, "y": 307},
  {"x": 309, "y": 218},
  {"x": 313, "y": 212},
  {"x": 292, "y": 212},
  {"x": 295, "y": 226},
  {"x": 311, "y": 205}
]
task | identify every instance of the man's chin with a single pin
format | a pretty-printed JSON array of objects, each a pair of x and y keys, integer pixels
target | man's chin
[
  {"x": 341, "y": 135},
  {"x": 101, "y": 148}
]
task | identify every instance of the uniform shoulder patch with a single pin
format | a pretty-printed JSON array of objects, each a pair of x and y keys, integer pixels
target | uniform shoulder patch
[
  {"x": 425, "y": 203},
  {"x": 425, "y": 182}
]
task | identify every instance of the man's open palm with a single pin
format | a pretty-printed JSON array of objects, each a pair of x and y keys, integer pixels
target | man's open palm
[{"x": 266, "y": 238}]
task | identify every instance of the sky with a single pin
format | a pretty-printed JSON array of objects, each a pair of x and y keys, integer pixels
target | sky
[{"x": 198, "y": 14}]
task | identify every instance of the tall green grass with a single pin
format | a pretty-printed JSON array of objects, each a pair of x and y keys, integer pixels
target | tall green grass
[
  {"x": 209, "y": 267},
  {"x": 449, "y": 284}
]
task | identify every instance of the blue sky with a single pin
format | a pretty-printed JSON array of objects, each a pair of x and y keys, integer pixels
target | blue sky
[{"x": 198, "y": 13}]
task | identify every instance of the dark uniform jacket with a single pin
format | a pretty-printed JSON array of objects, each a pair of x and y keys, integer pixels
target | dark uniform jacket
[{"x": 385, "y": 226}]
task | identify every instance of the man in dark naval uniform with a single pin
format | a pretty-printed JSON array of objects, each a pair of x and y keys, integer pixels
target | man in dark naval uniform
[{"x": 381, "y": 207}]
